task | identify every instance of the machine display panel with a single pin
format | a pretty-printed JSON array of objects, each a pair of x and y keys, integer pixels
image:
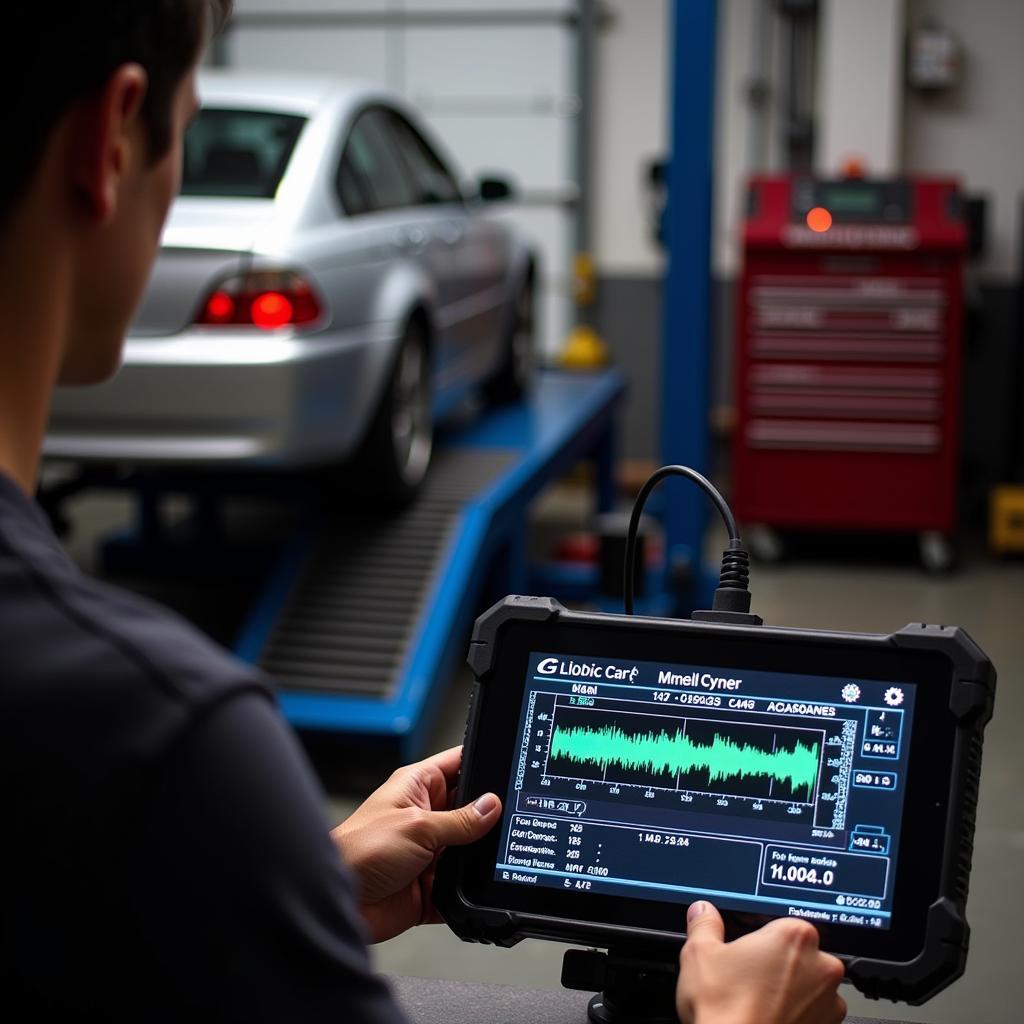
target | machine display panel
[
  {"x": 854, "y": 201},
  {"x": 768, "y": 792},
  {"x": 846, "y": 198}
]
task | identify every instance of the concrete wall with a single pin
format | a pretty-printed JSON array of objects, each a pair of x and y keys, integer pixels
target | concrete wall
[
  {"x": 860, "y": 85},
  {"x": 632, "y": 72},
  {"x": 737, "y": 24},
  {"x": 631, "y": 68},
  {"x": 977, "y": 129},
  {"x": 632, "y": 110}
]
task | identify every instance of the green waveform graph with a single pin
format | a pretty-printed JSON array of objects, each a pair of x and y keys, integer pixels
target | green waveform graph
[{"x": 711, "y": 756}]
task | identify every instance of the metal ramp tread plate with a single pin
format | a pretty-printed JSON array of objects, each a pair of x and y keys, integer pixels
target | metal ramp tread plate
[{"x": 353, "y": 612}]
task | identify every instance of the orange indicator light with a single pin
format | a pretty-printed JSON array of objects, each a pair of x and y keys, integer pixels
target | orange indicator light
[{"x": 819, "y": 219}]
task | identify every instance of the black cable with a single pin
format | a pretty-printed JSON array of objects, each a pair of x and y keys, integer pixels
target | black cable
[
  {"x": 732, "y": 597},
  {"x": 638, "y": 507}
]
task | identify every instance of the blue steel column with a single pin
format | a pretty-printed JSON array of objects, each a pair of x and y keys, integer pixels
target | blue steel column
[{"x": 686, "y": 334}]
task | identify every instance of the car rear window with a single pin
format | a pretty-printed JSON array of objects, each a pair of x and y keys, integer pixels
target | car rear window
[{"x": 238, "y": 152}]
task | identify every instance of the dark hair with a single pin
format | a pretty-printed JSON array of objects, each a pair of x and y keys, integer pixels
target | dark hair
[{"x": 60, "y": 52}]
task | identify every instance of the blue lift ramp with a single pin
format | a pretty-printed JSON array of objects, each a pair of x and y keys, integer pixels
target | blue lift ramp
[{"x": 365, "y": 617}]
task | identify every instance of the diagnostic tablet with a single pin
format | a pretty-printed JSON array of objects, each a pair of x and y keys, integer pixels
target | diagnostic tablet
[{"x": 648, "y": 763}]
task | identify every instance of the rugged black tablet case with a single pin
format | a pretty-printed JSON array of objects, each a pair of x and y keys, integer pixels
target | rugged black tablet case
[{"x": 944, "y": 953}]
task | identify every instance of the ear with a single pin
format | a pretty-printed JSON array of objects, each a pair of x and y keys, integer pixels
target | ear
[{"x": 109, "y": 138}]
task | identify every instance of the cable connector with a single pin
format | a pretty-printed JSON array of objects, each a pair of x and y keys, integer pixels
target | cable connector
[{"x": 732, "y": 596}]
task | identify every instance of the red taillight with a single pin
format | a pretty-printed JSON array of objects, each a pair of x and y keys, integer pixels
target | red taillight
[
  {"x": 266, "y": 299},
  {"x": 220, "y": 307},
  {"x": 271, "y": 309}
]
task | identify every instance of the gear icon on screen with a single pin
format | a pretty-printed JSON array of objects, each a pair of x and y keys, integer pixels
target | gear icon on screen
[
  {"x": 851, "y": 693},
  {"x": 894, "y": 696}
]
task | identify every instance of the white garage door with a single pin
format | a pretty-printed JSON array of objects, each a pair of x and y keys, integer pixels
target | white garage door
[{"x": 495, "y": 80}]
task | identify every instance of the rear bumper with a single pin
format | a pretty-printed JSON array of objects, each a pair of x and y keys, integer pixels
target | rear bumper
[{"x": 247, "y": 397}]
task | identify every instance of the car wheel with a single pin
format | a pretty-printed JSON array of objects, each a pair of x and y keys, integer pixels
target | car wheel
[
  {"x": 515, "y": 375},
  {"x": 396, "y": 454}
]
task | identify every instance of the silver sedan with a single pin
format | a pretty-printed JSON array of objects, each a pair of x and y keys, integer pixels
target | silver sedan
[{"x": 326, "y": 288}]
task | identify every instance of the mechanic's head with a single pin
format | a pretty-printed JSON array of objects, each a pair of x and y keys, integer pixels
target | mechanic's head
[{"x": 98, "y": 96}]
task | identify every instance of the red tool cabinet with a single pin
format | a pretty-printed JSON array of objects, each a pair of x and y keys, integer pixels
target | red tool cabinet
[{"x": 849, "y": 354}]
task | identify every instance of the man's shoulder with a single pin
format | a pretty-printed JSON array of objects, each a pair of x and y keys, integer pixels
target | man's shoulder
[{"x": 79, "y": 654}]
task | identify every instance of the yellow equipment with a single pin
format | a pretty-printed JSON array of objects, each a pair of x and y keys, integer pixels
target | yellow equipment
[{"x": 1006, "y": 519}]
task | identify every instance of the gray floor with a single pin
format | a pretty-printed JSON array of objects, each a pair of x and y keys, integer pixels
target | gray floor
[{"x": 985, "y": 597}]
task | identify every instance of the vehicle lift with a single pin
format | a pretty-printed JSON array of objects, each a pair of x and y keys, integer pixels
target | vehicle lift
[
  {"x": 364, "y": 618},
  {"x": 363, "y": 614}
]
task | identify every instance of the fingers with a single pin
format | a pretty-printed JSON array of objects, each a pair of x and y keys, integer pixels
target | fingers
[
  {"x": 776, "y": 973},
  {"x": 438, "y": 775},
  {"x": 794, "y": 931},
  {"x": 830, "y": 1009},
  {"x": 833, "y": 968},
  {"x": 704, "y": 922},
  {"x": 839, "y": 1010},
  {"x": 464, "y": 824},
  {"x": 449, "y": 761}
]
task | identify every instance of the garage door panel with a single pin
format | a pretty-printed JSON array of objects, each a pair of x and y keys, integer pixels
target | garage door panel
[
  {"x": 395, "y": 8},
  {"x": 473, "y": 6},
  {"x": 529, "y": 62},
  {"x": 275, "y": 7},
  {"x": 550, "y": 230},
  {"x": 533, "y": 151},
  {"x": 350, "y": 52}
]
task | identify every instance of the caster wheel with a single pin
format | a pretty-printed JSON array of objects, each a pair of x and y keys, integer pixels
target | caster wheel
[
  {"x": 764, "y": 543},
  {"x": 937, "y": 552}
]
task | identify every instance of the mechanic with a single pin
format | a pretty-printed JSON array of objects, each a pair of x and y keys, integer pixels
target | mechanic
[{"x": 164, "y": 853}]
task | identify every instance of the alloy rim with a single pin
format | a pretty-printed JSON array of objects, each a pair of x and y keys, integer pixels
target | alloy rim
[{"x": 410, "y": 422}]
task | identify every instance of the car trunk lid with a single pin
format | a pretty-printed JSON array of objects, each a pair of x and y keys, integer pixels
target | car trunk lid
[{"x": 204, "y": 242}]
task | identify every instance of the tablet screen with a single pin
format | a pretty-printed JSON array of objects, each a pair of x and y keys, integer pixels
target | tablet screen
[{"x": 769, "y": 792}]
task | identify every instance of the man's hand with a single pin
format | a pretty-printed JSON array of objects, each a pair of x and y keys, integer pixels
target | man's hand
[
  {"x": 393, "y": 840},
  {"x": 776, "y": 975}
]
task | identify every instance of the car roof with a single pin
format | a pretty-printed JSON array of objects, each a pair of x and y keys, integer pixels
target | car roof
[{"x": 287, "y": 93}]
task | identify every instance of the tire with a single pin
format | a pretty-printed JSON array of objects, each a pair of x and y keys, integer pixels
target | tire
[
  {"x": 395, "y": 456},
  {"x": 514, "y": 377}
]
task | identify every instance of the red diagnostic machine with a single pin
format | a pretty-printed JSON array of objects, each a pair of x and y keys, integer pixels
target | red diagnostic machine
[{"x": 849, "y": 357}]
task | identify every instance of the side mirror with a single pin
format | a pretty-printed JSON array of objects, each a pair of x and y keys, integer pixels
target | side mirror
[{"x": 495, "y": 189}]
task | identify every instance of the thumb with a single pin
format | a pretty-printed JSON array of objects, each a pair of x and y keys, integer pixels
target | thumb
[
  {"x": 704, "y": 922},
  {"x": 466, "y": 824}
]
